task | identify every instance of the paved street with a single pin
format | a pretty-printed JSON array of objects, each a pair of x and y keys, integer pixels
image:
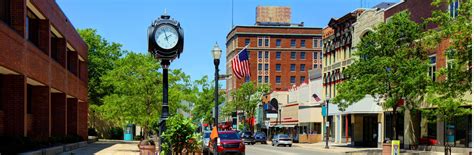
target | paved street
[{"x": 262, "y": 149}]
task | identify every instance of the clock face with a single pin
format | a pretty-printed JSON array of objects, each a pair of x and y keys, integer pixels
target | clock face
[{"x": 166, "y": 36}]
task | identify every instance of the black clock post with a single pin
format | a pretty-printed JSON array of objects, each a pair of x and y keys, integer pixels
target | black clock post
[{"x": 165, "y": 43}]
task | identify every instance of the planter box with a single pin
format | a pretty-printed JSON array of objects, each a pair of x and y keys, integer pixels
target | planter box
[
  {"x": 53, "y": 150},
  {"x": 38, "y": 152},
  {"x": 386, "y": 149}
]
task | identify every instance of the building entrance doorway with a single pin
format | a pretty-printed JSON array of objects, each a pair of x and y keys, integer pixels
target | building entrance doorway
[{"x": 370, "y": 131}]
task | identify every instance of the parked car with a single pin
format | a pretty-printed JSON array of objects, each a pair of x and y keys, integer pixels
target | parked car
[
  {"x": 282, "y": 139},
  {"x": 260, "y": 137},
  {"x": 228, "y": 142},
  {"x": 205, "y": 141},
  {"x": 248, "y": 138}
]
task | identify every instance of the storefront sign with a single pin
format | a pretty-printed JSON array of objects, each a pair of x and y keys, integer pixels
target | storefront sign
[
  {"x": 395, "y": 147},
  {"x": 271, "y": 115}
]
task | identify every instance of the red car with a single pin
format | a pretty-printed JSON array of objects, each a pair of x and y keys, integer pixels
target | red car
[{"x": 229, "y": 142}]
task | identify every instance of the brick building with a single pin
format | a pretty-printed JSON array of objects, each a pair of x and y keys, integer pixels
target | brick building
[
  {"x": 279, "y": 55},
  {"x": 462, "y": 126},
  {"x": 43, "y": 71}
]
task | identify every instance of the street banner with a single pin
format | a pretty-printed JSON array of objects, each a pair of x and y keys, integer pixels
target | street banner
[{"x": 395, "y": 147}]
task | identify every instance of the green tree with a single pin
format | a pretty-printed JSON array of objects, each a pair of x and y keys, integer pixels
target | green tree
[
  {"x": 246, "y": 98},
  {"x": 203, "y": 100},
  {"x": 392, "y": 66},
  {"x": 452, "y": 92},
  {"x": 137, "y": 91},
  {"x": 101, "y": 57}
]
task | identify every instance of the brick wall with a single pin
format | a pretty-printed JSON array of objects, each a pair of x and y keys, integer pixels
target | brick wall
[
  {"x": 82, "y": 115},
  {"x": 41, "y": 112},
  {"x": 58, "y": 114},
  {"x": 14, "y": 104},
  {"x": 72, "y": 116}
]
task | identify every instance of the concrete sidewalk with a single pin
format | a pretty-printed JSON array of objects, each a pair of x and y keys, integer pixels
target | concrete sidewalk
[
  {"x": 107, "y": 147},
  {"x": 338, "y": 148}
]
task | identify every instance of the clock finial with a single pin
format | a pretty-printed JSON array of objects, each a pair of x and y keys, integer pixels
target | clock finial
[{"x": 165, "y": 15}]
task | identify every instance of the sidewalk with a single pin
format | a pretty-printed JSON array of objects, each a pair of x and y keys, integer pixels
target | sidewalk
[
  {"x": 337, "y": 148},
  {"x": 107, "y": 147}
]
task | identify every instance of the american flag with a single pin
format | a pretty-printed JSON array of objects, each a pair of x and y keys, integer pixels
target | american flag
[{"x": 240, "y": 64}]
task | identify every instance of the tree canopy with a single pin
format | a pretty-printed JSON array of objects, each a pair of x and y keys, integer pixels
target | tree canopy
[{"x": 391, "y": 65}]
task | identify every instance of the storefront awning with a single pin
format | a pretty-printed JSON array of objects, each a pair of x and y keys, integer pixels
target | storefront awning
[
  {"x": 284, "y": 126},
  {"x": 366, "y": 105}
]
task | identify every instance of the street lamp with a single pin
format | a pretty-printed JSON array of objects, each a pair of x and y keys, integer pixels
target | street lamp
[
  {"x": 216, "y": 53},
  {"x": 327, "y": 121}
]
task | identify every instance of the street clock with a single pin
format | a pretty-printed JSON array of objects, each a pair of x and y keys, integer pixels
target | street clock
[{"x": 165, "y": 38}]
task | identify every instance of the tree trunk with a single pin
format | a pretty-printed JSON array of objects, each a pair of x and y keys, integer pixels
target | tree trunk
[{"x": 394, "y": 123}]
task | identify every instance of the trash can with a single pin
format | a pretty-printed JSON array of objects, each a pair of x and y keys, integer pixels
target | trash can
[{"x": 128, "y": 135}]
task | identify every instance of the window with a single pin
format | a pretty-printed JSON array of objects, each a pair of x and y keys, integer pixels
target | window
[
  {"x": 302, "y": 79},
  {"x": 259, "y": 79},
  {"x": 449, "y": 60},
  {"x": 259, "y": 67},
  {"x": 278, "y": 55},
  {"x": 315, "y": 65},
  {"x": 278, "y": 43},
  {"x": 315, "y": 55},
  {"x": 260, "y": 54},
  {"x": 247, "y": 42},
  {"x": 293, "y": 43},
  {"x": 247, "y": 78},
  {"x": 315, "y": 42},
  {"x": 303, "y": 43},
  {"x": 293, "y": 67},
  {"x": 302, "y": 55},
  {"x": 266, "y": 67},
  {"x": 266, "y": 79},
  {"x": 266, "y": 54},
  {"x": 321, "y": 55},
  {"x": 5, "y": 11},
  {"x": 454, "y": 8},
  {"x": 320, "y": 66},
  {"x": 263, "y": 40},
  {"x": 293, "y": 55},
  {"x": 32, "y": 27},
  {"x": 278, "y": 79},
  {"x": 278, "y": 67},
  {"x": 302, "y": 67},
  {"x": 432, "y": 69},
  {"x": 320, "y": 43},
  {"x": 292, "y": 79}
]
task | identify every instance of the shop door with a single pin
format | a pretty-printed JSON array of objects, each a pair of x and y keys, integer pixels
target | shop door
[{"x": 370, "y": 131}]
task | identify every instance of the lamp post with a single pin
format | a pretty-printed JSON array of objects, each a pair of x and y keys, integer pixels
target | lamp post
[
  {"x": 327, "y": 121},
  {"x": 216, "y": 53}
]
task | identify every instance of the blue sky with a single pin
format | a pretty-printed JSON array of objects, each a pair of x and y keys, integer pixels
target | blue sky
[{"x": 204, "y": 22}]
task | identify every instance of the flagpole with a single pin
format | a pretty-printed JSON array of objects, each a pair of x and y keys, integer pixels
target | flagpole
[{"x": 240, "y": 51}]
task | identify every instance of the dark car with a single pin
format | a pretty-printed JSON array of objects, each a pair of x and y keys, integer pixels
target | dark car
[
  {"x": 260, "y": 137},
  {"x": 228, "y": 142},
  {"x": 248, "y": 138}
]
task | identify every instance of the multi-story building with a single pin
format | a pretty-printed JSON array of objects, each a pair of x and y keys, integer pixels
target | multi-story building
[
  {"x": 278, "y": 55},
  {"x": 43, "y": 72},
  {"x": 462, "y": 126}
]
